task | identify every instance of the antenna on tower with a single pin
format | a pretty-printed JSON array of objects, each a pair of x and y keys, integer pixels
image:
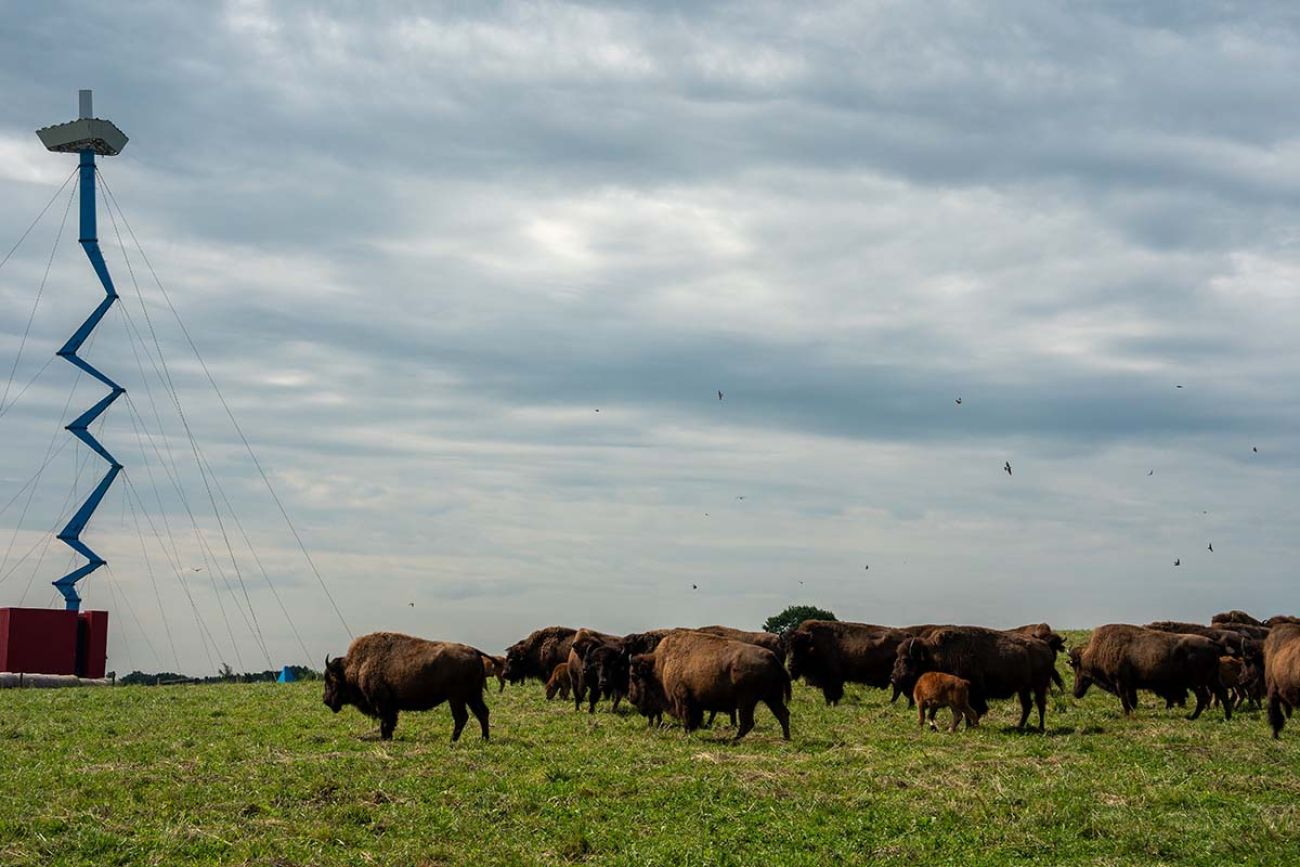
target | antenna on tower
[{"x": 87, "y": 136}]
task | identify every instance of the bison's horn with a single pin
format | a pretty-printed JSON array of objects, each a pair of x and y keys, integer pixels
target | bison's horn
[{"x": 327, "y": 660}]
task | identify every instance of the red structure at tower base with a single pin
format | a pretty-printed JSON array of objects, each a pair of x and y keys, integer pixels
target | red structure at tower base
[{"x": 48, "y": 641}]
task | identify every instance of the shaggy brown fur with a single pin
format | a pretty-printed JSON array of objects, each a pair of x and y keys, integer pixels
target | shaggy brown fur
[
  {"x": 1282, "y": 674},
  {"x": 1258, "y": 633},
  {"x": 558, "y": 682},
  {"x": 537, "y": 655},
  {"x": 584, "y": 641},
  {"x": 1231, "y": 641},
  {"x": 386, "y": 672},
  {"x": 1127, "y": 658},
  {"x": 1234, "y": 616},
  {"x": 1043, "y": 632},
  {"x": 693, "y": 672},
  {"x": 644, "y": 642},
  {"x": 1279, "y": 619},
  {"x": 830, "y": 653},
  {"x": 935, "y": 691},
  {"x": 770, "y": 640},
  {"x": 494, "y": 666},
  {"x": 605, "y": 672},
  {"x": 1232, "y": 674},
  {"x": 997, "y": 664}
]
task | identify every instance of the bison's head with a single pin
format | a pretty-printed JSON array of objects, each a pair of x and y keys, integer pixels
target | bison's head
[
  {"x": 335, "y": 684},
  {"x": 800, "y": 653},
  {"x": 1081, "y": 680},
  {"x": 643, "y": 688},
  {"x": 606, "y": 668},
  {"x": 515, "y": 669},
  {"x": 912, "y": 661}
]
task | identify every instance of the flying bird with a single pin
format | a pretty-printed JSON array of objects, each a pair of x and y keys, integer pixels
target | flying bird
[
  {"x": 1211, "y": 547},
  {"x": 959, "y": 401},
  {"x": 695, "y": 587},
  {"x": 1255, "y": 449},
  {"x": 1178, "y": 561},
  {"x": 597, "y": 410},
  {"x": 1151, "y": 472},
  {"x": 719, "y": 394},
  {"x": 740, "y": 498},
  {"x": 412, "y": 604},
  {"x": 865, "y": 568},
  {"x": 1177, "y": 386},
  {"x": 1007, "y": 467}
]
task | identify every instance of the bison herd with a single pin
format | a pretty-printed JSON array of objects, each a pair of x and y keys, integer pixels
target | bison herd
[{"x": 686, "y": 673}]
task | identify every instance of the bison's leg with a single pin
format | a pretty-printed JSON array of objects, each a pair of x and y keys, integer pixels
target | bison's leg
[
  {"x": 956, "y": 719},
  {"x": 920, "y": 714},
  {"x": 502, "y": 684},
  {"x": 1125, "y": 701},
  {"x": 972, "y": 719},
  {"x": 1224, "y": 699},
  {"x": 1040, "y": 700},
  {"x": 1276, "y": 717},
  {"x": 777, "y": 706},
  {"x": 593, "y": 695},
  {"x": 387, "y": 722},
  {"x": 746, "y": 719},
  {"x": 459, "y": 716},
  {"x": 480, "y": 710},
  {"x": 1202, "y": 701},
  {"x": 708, "y": 723},
  {"x": 833, "y": 691},
  {"x": 1023, "y": 695},
  {"x": 978, "y": 701}
]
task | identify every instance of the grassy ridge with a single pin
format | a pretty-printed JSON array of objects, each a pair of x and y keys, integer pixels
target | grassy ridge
[{"x": 264, "y": 774}]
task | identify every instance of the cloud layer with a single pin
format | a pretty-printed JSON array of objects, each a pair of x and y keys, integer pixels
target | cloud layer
[{"x": 420, "y": 248}]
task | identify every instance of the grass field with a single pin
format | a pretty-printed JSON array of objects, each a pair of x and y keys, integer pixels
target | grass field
[{"x": 265, "y": 774}]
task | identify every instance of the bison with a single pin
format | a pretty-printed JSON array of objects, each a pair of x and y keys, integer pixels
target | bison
[
  {"x": 997, "y": 664},
  {"x": 1279, "y": 619},
  {"x": 386, "y": 672},
  {"x": 1231, "y": 641},
  {"x": 1234, "y": 616},
  {"x": 494, "y": 666},
  {"x": 935, "y": 691},
  {"x": 1282, "y": 674},
  {"x": 537, "y": 655},
  {"x": 558, "y": 682},
  {"x": 605, "y": 673},
  {"x": 1043, "y": 632},
  {"x": 1123, "y": 659},
  {"x": 770, "y": 640},
  {"x": 829, "y": 653},
  {"x": 584, "y": 641},
  {"x": 693, "y": 672}
]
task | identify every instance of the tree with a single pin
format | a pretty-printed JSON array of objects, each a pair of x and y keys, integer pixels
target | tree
[{"x": 794, "y": 615}]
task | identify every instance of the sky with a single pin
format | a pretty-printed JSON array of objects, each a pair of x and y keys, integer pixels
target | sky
[{"x": 471, "y": 276}]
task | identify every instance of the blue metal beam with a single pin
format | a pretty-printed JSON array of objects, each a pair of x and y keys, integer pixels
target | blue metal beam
[{"x": 80, "y": 427}]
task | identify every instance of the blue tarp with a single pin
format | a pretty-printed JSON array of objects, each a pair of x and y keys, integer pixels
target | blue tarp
[{"x": 286, "y": 676}]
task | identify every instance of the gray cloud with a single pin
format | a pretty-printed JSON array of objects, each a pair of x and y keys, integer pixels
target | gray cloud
[{"x": 419, "y": 249}]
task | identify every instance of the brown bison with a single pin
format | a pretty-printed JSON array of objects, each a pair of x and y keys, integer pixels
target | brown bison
[
  {"x": 605, "y": 674},
  {"x": 494, "y": 666},
  {"x": 1234, "y": 616},
  {"x": 1044, "y": 633},
  {"x": 558, "y": 682},
  {"x": 693, "y": 672},
  {"x": 935, "y": 691},
  {"x": 1233, "y": 674},
  {"x": 997, "y": 664},
  {"x": 537, "y": 655},
  {"x": 386, "y": 672},
  {"x": 1232, "y": 641},
  {"x": 1282, "y": 674},
  {"x": 770, "y": 640},
  {"x": 636, "y": 643},
  {"x": 830, "y": 653},
  {"x": 584, "y": 641},
  {"x": 1123, "y": 659},
  {"x": 1279, "y": 619}
]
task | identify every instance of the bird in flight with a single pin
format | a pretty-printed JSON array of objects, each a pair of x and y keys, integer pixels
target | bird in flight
[
  {"x": 412, "y": 604},
  {"x": 695, "y": 587},
  {"x": 1255, "y": 449},
  {"x": 597, "y": 410},
  {"x": 1151, "y": 472},
  {"x": 740, "y": 498},
  {"x": 959, "y": 401},
  {"x": 1211, "y": 547},
  {"x": 1178, "y": 561},
  {"x": 1177, "y": 386},
  {"x": 1007, "y": 467},
  {"x": 719, "y": 394},
  {"x": 866, "y": 567}
]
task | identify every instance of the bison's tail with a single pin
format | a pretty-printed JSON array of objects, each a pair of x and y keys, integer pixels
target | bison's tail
[{"x": 786, "y": 688}]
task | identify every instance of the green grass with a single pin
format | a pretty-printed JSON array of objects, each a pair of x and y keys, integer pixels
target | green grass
[{"x": 265, "y": 774}]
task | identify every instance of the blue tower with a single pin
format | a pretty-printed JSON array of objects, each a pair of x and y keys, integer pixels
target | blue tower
[{"x": 87, "y": 136}]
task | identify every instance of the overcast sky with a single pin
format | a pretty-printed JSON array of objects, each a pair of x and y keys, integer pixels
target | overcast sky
[{"x": 471, "y": 277}]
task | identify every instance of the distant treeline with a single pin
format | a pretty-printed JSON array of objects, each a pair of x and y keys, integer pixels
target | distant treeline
[{"x": 227, "y": 675}]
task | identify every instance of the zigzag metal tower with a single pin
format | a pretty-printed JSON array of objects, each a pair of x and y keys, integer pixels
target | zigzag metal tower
[{"x": 87, "y": 136}]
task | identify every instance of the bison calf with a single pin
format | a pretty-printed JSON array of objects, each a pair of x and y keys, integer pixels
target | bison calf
[
  {"x": 558, "y": 682},
  {"x": 386, "y": 672},
  {"x": 935, "y": 691},
  {"x": 495, "y": 666}
]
